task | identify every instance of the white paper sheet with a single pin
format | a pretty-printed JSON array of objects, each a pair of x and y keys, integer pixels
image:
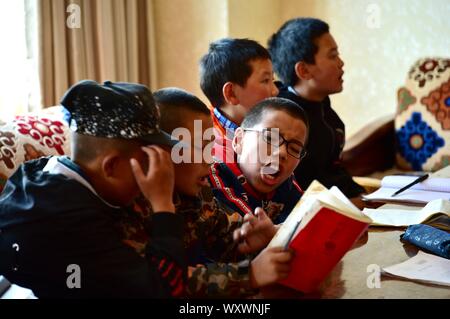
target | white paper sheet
[{"x": 423, "y": 268}]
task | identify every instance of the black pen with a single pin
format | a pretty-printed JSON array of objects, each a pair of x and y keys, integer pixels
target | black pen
[{"x": 416, "y": 181}]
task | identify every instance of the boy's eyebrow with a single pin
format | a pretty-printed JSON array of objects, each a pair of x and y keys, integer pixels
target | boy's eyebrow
[
  {"x": 267, "y": 73},
  {"x": 292, "y": 140},
  {"x": 333, "y": 49},
  {"x": 297, "y": 141}
]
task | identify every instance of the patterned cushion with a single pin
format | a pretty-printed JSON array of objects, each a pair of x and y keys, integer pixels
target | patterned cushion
[
  {"x": 422, "y": 122},
  {"x": 31, "y": 136}
]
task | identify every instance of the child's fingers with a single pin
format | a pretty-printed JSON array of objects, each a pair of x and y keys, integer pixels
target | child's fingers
[
  {"x": 275, "y": 249},
  {"x": 282, "y": 257},
  {"x": 137, "y": 171},
  {"x": 153, "y": 159},
  {"x": 163, "y": 159},
  {"x": 163, "y": 156},
  {"x": 260, "y": 213},
  {"x": 250, "y": 218},
  {"x": 283, "y": 275},
  {"x": 282, "y": 269},
  {"x": 237, "y": 235},
  {"x": 244, "y": 248},
  {"x": 246, "y": 228},
  {"x": 279, "y": 255}
]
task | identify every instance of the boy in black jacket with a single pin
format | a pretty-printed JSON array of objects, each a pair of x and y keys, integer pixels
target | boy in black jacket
[
  {"x": 306, "y": 59},
  {"x": 58, "y": 215}
]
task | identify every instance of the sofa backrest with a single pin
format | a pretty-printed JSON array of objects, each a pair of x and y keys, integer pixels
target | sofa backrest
[
  {"x": 31, "y": 136},
  {"x": 422, "y": 122}
]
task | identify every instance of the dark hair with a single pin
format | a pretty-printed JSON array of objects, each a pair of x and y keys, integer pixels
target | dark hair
[
  {"x": 294, "y": 42},
  {"x": 172, "y": 102},
  {"x": 256, "y": 114},
  {"x": 228, "y": 60}
]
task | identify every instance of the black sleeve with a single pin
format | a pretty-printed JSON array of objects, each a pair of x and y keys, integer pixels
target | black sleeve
[
  {"x": 332, "y": 175},
  {"x": 344, "y": 181},
  {"x": 108, "y": 267}
]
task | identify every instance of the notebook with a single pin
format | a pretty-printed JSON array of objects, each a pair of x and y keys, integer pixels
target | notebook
[{"x": 422, "y": 193}]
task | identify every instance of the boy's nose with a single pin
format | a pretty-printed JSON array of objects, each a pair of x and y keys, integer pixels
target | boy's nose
[
  {"x": 341, "y": 63},
  {"x": 275, "y": 90},
  {"x": 281, "y": 151}
]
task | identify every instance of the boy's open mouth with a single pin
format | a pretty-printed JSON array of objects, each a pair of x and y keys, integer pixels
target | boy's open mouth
[{"x": 270, "y": 174}]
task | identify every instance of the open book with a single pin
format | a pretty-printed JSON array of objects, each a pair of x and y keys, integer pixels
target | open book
[
  {"x": 401, "y": 215},
  {"x": 322, "y": 227},
  {"x": 431, "y": 189}
]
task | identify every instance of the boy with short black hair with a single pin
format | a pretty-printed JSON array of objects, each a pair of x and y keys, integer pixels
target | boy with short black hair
[
  {"x": 306, "y": 59},
  {"x": 235, "y": 74},
  {"x": 58, "y": 215}
]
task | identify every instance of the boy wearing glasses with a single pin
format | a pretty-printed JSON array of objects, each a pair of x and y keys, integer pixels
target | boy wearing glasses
[{"x": 269, "y": 145}]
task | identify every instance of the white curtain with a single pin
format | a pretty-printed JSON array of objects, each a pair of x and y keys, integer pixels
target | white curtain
[{"x": 19, "y": 78}]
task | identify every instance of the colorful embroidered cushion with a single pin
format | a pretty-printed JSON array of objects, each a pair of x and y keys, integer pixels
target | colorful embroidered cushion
[
  {"x": 422, "y": 122},
  {"x": 31, "y": 136}
]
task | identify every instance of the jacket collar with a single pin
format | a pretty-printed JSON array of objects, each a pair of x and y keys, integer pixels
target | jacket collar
[{"x": 66, "y": 167}]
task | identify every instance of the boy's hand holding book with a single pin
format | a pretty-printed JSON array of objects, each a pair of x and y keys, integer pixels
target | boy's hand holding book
[
  {"x": 255, "y": 233},
  {"x": 270, "y": 266},
  {"x": 321, "y": 229}
]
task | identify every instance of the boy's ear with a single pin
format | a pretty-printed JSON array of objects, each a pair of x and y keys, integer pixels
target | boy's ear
[
  {"x": 302, "y": 70},
  {"x": 229, "y": 94},
  {"x": 237, "y": 140},
  {"x": 109, "y": 165}
]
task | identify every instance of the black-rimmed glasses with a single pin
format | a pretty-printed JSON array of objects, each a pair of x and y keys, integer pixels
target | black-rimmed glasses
[{"x": 273, "y": 137}]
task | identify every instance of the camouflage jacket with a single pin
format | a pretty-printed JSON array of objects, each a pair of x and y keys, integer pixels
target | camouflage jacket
[{"x": 217, "y": 270}]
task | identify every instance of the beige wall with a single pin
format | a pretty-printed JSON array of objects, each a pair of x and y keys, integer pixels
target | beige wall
[
  {"x": 377, "y": 56},
  {"x": 378, "y": 39},
  {"x": 255, "y": 19},
  {"x": 184, "y": 29}
]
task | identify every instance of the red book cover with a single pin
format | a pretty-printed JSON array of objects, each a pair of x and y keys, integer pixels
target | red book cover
[{"x": 319, "y": 246}]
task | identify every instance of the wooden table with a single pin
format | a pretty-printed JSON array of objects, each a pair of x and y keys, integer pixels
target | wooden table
[{"x": 379, "y": 246}]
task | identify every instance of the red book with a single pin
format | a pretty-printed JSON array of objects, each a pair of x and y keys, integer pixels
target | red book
[{"x": 321, "y": 229}]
